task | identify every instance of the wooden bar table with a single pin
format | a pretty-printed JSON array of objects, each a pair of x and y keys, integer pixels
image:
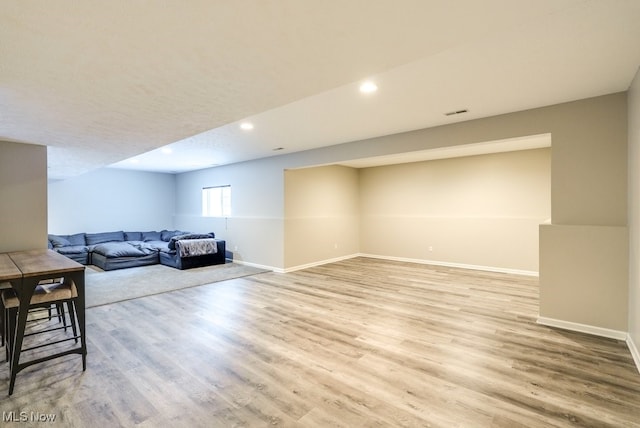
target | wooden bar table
[
  {"x": 35, "y": 266},
  {"x": 8, "y": 270}
]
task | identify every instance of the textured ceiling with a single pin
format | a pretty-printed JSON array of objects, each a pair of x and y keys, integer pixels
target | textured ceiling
[{"x": 100, "y": 82}]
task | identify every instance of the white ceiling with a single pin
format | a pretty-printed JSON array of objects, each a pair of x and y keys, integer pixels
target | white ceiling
[{"x": 100, "y": 82}]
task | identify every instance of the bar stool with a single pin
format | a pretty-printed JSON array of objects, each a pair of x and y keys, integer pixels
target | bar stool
[
  {"x": 3, "y": 318},
  {"x": 45, "y": 295}
]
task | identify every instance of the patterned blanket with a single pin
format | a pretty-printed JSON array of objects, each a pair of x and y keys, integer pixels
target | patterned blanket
[{"x": 196, "y": 247}]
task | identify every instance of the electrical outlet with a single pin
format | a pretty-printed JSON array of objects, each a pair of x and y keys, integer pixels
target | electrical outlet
[{"x": 430, "y": 248}]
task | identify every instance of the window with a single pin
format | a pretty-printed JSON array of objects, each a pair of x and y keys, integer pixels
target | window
[{"x": 216, "y": 201}]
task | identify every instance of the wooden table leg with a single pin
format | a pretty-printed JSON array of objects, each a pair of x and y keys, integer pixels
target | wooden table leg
[{"x": 78, "y": 279}]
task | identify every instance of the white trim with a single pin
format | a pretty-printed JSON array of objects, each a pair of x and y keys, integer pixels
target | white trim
[
  {"x": 255, "y": 265},
  {"x": 397, "y": 259},
  {"x": 295, "y": 268},
  {"x": 319, "y": 263},
  {"x": 583, "y": 328},
  {"x": 634, "y": 351},
  {"x": 454, "y": 265}
]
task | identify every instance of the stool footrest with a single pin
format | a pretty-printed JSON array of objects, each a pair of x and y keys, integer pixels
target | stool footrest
[
  {"x": 51, "y": 343},
  {"x": 26, "y": 364},
  {"x": 49, "y": 330}
]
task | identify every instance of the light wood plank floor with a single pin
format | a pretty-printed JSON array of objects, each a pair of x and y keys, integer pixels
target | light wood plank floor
[{"x": 361, "y": 342}]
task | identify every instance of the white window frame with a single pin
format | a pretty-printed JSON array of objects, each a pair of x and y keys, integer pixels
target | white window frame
[{"x": 216, "y": 201}]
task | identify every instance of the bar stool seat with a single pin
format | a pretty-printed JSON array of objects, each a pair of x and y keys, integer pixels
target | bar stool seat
[{"x": 46, "y": 294}]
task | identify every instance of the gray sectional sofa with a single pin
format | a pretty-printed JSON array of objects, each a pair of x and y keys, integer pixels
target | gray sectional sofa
[{"x": 118, "y": 250}]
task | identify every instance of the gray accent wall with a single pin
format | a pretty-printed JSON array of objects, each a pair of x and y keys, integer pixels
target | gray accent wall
[
  {"x": 112, "y": 199},
  {"x": 254, "y": 232}
]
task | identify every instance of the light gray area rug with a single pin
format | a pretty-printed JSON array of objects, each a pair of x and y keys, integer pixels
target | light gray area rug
[{"x": 104, "y": 287}]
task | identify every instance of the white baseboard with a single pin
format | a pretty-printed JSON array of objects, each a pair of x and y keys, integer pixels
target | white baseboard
[
  {"x": 597, "y": 331},
  {"x": 319, "y": 263},
  {"x": 634, "y": 352},
  {"x": 398, "y": 259},
  {"x": 295, "y": 268},
  {"x": 583, "y": 328},
  {"x": 454, "y": 265},
  {"x": 255, "y": 265}
]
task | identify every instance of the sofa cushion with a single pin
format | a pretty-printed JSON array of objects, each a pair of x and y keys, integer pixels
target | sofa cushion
[
  {"x": 59, "y": 241},
  {"x": 157, "y": 245},
  {"x": 151, "y": 236},
  {"x": 77, "y": 239},
  {"x": 67, "y": 240},
  {"x": 99, "y": 238},
  {"x": 166, "y": 235},
  {"x": 122, "y": 249},
  {"x": 73, "y": 249},
  {"x": 133, "y": 236}
]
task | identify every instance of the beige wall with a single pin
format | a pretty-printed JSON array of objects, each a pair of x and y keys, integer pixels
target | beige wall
[
  {"x": 589, "y": 188},
  {"x": 634, "y": 214},
  {"x": 23, "y": 192},
  {"x": 589, "y": 162},
  {"x": 321, "y": 214},
  {"x": 584, "y": 276},
  {"x": 479, "y": 211}
]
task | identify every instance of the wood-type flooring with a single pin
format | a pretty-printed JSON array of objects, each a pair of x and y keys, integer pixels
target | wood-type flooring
[{"x": 357, "y": 343}]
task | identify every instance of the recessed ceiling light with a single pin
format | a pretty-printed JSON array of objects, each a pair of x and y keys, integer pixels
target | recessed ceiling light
[
  {"x": 166, "y": 150},
  {"x": 368, "y": 87},
  {"x": 134, "y": 161},
  {"x": 247, "y": 126}
]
